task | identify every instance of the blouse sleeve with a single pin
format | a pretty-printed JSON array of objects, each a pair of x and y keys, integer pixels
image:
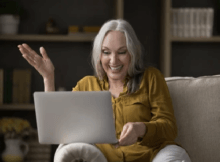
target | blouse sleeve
[
  {"x": 162, "y": 126},
  {"x": 81, "y": 84},
  {"x": 76, "y": 88}
]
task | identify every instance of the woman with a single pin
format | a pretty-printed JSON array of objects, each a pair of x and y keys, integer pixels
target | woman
[{"x": 144, "y": 118}]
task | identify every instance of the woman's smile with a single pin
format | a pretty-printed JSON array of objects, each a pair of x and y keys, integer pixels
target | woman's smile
[{"x": 116, "y": 68}]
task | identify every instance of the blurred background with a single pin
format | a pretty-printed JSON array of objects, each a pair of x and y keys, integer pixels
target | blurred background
[{"x": 72, "y": 58}]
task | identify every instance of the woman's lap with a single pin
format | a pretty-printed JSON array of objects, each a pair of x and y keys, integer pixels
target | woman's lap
[
  {"x": 172, "y": 153},
  {"x": 89, "y": 152}
]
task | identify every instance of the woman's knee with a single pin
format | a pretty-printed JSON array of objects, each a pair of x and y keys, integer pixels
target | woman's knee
[
  {"x": 75, "y": 151},
  {"x": 172, "y": 153}
]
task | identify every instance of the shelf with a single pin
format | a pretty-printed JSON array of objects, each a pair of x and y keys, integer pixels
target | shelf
[
  {"x": 167, "y": 39},
  {"x": 17, "y": 107},
  {"x": 198, "y": 39},
  {"x": 78, "y": 37}
]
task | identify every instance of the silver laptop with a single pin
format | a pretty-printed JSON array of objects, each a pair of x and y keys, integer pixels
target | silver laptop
[{"x": 67, "y": 117}]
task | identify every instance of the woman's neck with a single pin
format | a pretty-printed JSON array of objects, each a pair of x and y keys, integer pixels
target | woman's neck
[{"x": 115, "y": 84}]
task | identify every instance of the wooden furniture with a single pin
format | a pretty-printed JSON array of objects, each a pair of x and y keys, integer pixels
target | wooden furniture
[
  {"x": 167, "y": 39},
  {"x": 79, "y": 37},
  {"x": 37, "y": 151},
  {"x": 17, "y": 107}
]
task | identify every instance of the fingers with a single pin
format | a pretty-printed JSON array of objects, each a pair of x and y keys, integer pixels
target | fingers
[
  {"x": 29, "y": 59},
  {"x": 125, "y": 134},
  {"x": 128, "y": 135},
  {"x": 22, "y": 49},
  {"x": 124, "y": 130},
  {"x": 29, "y": 56},
  {"x": 43, "y": 52},
  {"x": 25, "y": 49}
]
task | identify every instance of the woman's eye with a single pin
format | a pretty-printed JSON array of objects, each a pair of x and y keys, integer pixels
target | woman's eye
[
  {"x": 106, "y": 52},
  {"x": 124, "y": 52}
]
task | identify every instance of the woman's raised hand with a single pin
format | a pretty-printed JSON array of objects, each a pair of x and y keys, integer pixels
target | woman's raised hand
[{"x": 42, "y": 64}]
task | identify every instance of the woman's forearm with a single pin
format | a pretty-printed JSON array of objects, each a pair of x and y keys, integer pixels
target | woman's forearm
[{"x": 49, "y": 84}]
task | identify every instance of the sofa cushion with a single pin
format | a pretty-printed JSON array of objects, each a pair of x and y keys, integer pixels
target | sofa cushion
[{"x": 196, "y": 103}]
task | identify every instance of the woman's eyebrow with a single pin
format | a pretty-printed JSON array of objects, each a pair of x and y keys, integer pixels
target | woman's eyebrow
[{"x": 118, "y": 49}]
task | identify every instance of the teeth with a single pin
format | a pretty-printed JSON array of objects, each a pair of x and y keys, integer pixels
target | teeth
[{"x": 116, "y": 67}]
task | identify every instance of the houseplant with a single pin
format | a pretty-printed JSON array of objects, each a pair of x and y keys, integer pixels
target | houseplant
[
  {"x": 15, "y": 131},
  {"x": 10, "y": 12}
]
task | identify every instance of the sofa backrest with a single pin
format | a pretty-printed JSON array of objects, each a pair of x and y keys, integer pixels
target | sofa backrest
[{"x": 196, "y": 103}]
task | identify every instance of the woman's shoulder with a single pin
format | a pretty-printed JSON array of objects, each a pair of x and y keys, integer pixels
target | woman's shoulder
[
  {"x": 152, "y": 71},
  {"x": 89, "y": 78},
  {"x": 151, "y": 76},
  {"x": 87, "y": 83}
]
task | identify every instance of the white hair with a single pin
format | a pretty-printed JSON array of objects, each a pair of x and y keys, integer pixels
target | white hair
[{"x": 134, "y": 47}]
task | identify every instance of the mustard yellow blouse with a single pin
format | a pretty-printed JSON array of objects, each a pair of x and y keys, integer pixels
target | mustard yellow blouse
[{"x": 151, "y": 104}]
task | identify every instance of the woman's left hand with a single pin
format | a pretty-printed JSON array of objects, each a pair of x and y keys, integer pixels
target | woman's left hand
[{"x": 130, "y": 133}]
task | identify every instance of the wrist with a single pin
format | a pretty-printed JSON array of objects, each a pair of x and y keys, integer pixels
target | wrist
[
  {"x": 49, "y": 78},
  {"x": 49, "y": 84},
  {"x": 142, "y": 129}
]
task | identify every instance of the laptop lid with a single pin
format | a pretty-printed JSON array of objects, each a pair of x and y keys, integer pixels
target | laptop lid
[{"x": 67, "y": 117}]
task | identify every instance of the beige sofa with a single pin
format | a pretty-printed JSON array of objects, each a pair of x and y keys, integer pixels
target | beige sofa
[{"x": 196, "y": 103}]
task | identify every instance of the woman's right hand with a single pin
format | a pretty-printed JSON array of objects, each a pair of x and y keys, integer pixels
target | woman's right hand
[{"x": 42, "y": 64}]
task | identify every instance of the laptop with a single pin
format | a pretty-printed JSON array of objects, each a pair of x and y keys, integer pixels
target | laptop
[{"x": 68, "y": 117}]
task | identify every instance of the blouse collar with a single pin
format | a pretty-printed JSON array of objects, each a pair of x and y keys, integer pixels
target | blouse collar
[{"x": 105, "y": 84}]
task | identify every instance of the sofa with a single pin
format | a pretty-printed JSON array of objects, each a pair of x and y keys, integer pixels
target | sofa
[{"x": 196, "y": 103}]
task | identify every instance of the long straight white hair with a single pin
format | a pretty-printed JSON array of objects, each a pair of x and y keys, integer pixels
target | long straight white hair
[{"x": 135, "y": 49}]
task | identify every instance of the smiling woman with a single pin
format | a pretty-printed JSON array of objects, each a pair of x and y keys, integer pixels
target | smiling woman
[
  {"x": 144, "y": 118},
  {"x": 143, "y": 112},
  {"x": 118, "y": 37},
  {"x": 115, "y": 60}
]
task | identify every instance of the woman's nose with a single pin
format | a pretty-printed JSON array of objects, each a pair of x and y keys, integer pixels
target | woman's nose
[{"x": 114, "y": 59}]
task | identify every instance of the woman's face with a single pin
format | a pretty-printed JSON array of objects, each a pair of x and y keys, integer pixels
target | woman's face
[{"x": 115, "y": 58}]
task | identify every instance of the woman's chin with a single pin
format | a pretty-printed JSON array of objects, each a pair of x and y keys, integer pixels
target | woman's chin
[{"x": 116, "y": 76}]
